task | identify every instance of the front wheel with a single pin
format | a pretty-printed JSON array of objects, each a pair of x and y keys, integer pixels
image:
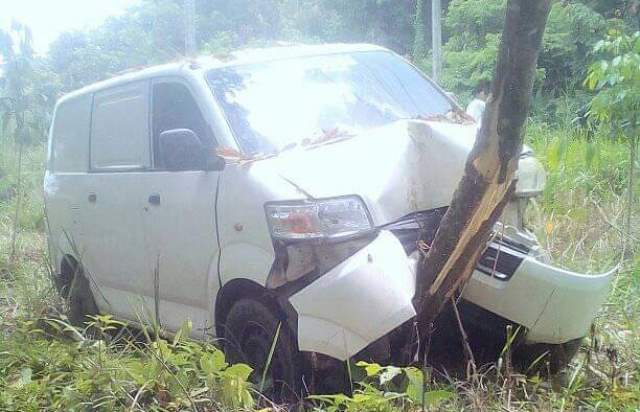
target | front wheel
[
  {"x": 249, "y": 333},
  {"x": 81, "y": 302}
]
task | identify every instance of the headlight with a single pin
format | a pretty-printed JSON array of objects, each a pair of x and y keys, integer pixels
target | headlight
[
  {"x": 531, "y": 176},
  {"x": 318, "y": 219}
]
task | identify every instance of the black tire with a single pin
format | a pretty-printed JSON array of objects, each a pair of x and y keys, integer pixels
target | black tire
[
  {"x": 249, "y": 331},
  {"x": 543, "y": 357},
  {"x": 81, "y": 302}
]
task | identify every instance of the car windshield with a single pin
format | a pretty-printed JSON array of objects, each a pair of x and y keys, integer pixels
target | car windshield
[{"x": 278, "y": 104}]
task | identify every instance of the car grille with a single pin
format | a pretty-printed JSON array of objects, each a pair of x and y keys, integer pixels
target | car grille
[{"x": 500, "y": 260}]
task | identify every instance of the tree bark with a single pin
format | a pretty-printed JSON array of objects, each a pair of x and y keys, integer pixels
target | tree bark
[
  {"x": 488, "y": 182},
  {"x": 419, "y": 43},
  {"x": 20, "y": 138},
  {"x": 628, "y": 236},
  {"x": 436, "y": 39}
]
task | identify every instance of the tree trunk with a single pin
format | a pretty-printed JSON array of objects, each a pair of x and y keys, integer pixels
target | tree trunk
[
  {"x": 488, "y": 182},
  {"x": 436, "y": 39},
  {"x": 419, "y": 41},
  {"x": 16, "y": 217},
  {"x": 628, "y": 237}
]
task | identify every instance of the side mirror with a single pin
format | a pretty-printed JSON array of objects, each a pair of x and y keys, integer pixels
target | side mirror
[{"x": 181, "y": 149}]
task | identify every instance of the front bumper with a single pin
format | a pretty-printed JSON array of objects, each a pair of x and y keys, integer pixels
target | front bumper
[
  {"x": 370, "y": 294},
  {"x": 555, "y": 305}
]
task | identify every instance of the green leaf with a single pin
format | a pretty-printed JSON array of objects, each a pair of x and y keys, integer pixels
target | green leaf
[
  {"x": 416, "y": 384},
  {"x": 372, "y": 369},
  {"x": 184, "y": 331},
  {"x": 616, "y": 61},
  {"x": 213, "y": 362},
  {"x": 337, "y": 399},
  {"x": 25, "y": 377},
  {"x": 435, "y": 398},
  {"x": 239, "y": 370}
]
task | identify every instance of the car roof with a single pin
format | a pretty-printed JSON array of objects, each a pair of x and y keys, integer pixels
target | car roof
[{"x": 234, "y": 58}]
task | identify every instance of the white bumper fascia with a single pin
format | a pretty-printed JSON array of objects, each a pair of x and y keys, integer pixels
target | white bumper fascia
[
  {"x": 554, "y": 304},
  {"x": 370, "y": 294},
  {"x": 357, "y": 302}
]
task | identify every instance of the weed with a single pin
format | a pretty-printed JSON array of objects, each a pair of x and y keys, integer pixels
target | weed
[{"x": 46, "y": 364}]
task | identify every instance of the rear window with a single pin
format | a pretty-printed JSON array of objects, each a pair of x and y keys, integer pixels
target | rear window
[
  {"x": 120, "y": 133},
  {"x": 70, "y": 135}
]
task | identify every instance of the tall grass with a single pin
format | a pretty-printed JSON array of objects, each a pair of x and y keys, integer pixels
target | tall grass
[
  {"x": 44, "y": 366},
  {"x": 579, "y": 217}
]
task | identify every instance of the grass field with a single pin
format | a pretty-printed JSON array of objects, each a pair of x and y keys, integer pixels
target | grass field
[{"x": 46, "y": 365}]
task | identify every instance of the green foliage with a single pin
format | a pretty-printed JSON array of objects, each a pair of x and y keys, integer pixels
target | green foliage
[
  {"x": 30, "y": 217},
  {"x": 625, "y": 11},
  {"x": 26, "y": 91},
  {"x": 594, "y": 168},
  {"x": 43, "y": 368},
  {"x": 468, "y": 22},
  {"x": 45, "y": 364},
  {"x": 39, "y": 373},
  {"x": 466, "y": 68},
  {"x": 474, "y": 27},
  {"x": 572, "y": 31},
  {"x": 616, "y": 79},
  {"x": 152, "y": 31},
  {"x": 586, "y": 180},
  {"x": 387, "y": 388}
]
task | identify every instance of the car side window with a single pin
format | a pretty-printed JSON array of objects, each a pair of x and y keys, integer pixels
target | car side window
[
  {"x": 175, "y": 108},
  {"x": 120, "y": 128},
  {"x": 70, "y": 135}
]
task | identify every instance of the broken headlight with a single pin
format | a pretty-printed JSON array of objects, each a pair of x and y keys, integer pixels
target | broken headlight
[{"x": 333, "y": 218}]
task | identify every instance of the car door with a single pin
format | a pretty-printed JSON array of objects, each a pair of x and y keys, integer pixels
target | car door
[
  {"x": 113, "y": 246},
  {"x": 179, "y": 219}
]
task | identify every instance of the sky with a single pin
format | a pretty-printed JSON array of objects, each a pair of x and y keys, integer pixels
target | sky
[{"x": 48, "y": 18}]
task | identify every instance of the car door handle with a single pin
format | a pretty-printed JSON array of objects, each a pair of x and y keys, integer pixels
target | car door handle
[
  {"x": 154, "y": 198},
  {"x": 92, "y": 197}
]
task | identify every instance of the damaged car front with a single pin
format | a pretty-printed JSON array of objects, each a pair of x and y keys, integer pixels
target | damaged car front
[{"x": 352, "y": 157}]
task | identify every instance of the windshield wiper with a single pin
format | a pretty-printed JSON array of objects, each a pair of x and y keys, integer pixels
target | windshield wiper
[
  {"x": 451, "y": 116},
  {"x": 326, "y": 136}
]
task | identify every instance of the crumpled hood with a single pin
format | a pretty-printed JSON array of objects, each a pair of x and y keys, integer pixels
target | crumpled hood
[{"x": 397, "y": 169}]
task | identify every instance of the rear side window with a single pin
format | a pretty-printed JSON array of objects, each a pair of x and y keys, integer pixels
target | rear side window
[
  {"x": 70, "y": 135},
  {"x": 120, "y": 131}
]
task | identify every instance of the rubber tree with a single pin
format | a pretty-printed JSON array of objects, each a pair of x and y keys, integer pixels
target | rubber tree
[
  {"x": 17, "y": 102},
  {"x": 488, "y": 182},
  {"x": 615, "y": 78},
  {"x": 419, "y": 37}
]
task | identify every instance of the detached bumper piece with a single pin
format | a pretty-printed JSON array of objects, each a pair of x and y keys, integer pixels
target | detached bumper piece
[{"x": 358, "y": 301}]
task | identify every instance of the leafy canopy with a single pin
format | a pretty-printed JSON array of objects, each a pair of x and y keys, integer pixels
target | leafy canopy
[
  {"x": 473, "y": 29},
  {"x": 616, "y": 79},
  {"x": 26, "y": 85}
]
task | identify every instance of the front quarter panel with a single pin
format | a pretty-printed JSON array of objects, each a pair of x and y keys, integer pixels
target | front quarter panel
[{"x": 246, "y": 245}]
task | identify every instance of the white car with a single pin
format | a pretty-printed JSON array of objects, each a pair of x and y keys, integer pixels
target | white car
[{"x": 283, "y": 189}]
